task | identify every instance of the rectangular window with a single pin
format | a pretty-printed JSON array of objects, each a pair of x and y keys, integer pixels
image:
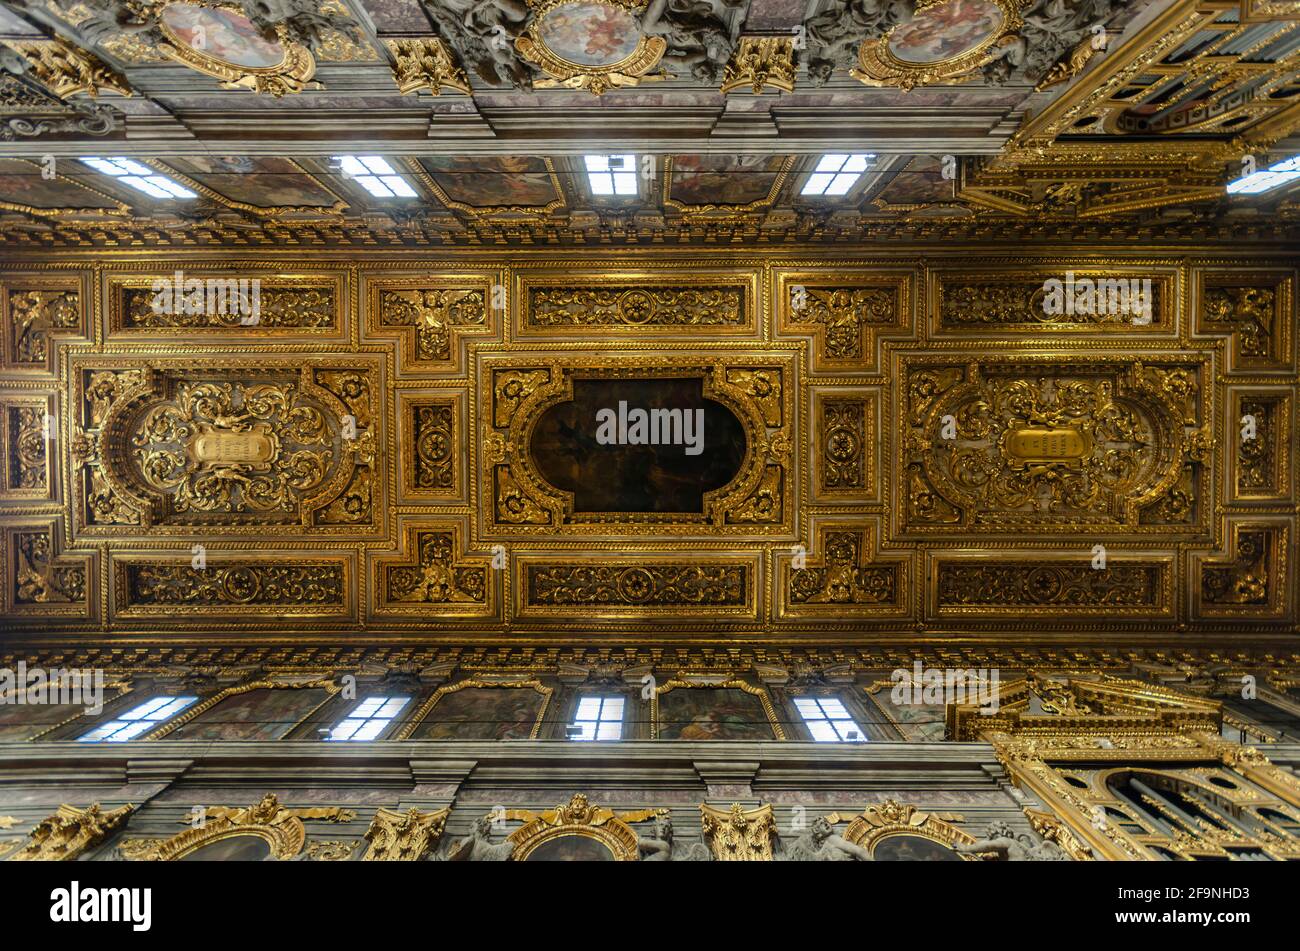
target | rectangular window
[
  {"x": 836, "y": 174},
  {"x": 828, "y": 721},
  {"x": 598, "y": 718},
  {"x": 611, "y": 174},
  {"x": 138, "y": 176},
  {"x": 369, "y": 718},
  {"x": 140, "y": 719},
  {"x": 375, "y": 175}
]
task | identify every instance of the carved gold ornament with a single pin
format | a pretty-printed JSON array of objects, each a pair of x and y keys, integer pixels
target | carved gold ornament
[
  {"x": 738, "y": 834},
  {"x": 426, "y": 63},
  {"x": 280, "y": 827},
  {"x": 914, "y": 54},
  {"x": 578, "y": 817},
  {"x": 198, "y": 34},
  {"x": 404, "y": 836},
  {"x": 559, "y": 27},
  {"x": 761, "y": 62},
  {"x": 71, "y": 831},
  {"x": 890, "y": 818},
  {"x": 66, "y": 70}
]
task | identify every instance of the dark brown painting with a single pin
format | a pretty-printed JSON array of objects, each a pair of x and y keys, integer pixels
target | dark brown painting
[
  {"x": 628, "y": 477},
  {"x": 487, "y": 182},
  {"x": 712, "y": 713},
  {"x": 235, "y": 848},
  {"x": 22, "y": 721},
  {"x": 724, "y": 179},
  {"x": 571, "y": 848},
  {"x": 263, "y": 714},
  {"x": 22, "y": 184},
  {"x": 483, "y": 713},
  {"x": 263, "y": 181},
  {"x": 912, "y": 848}
]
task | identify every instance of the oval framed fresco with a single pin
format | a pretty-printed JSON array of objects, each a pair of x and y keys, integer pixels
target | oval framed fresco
[
  {"x": 902, "y": 847},
  {"x": 218, "y": 40},
  {"x": 946, "y": 41},
  {"x": 590, "y": 44}
]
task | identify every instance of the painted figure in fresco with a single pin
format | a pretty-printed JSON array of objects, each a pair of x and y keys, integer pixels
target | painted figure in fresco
[
  {"x": 662, "y": 849},
  {"x": 821, "y": 843},
  {"x": 479, "y": 847},
  {"x": 1002, "y": 844}
]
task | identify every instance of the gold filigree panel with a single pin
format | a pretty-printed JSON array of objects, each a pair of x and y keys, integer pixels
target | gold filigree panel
[
  {"x": 40, "y": 581},
  {"x": 28, "y": 455},
  {"x": 1257, "y": 310},
  {"x": 845, "y": 312},
  {"x": 208, "y": 303},
  {"x": 1110, "y": 300},
  {"x": 36, "y": 312},
  {"x": 1260, "y": 424},
  {"x": 433, "y": 577},
  {"x": 1253, "y": 580},
  {"x": 227, "y": 447},
  {"x": 514, "y": 392},
  {"x": 647, "y": 587},
  {"x": 845, "y": 435},
  {"x": 431, "y": 316},
  {"x": 431, "y": 430},
  {"x": 1048, "y": 584},
  {"x": 695, "y": 302},
  {"x": 276, "y": 585},
  {"x": 1054, "y": 444},
  {"x": 844, "y": 577}
]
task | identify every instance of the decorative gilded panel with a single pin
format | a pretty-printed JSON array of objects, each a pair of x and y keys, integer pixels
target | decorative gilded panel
[
  {"x": 27, "y": 459},
  {"x": 255, "y": 305},
  {"x": 432, "y": 424},
  {"x": 1261, "y": 449},
  {"x": 637, "y": 303},
  {"x": 1055, "y": 444},
  {"x": 430, "y": 316},
  {"x": 278, "y": 586},
  {"x": 435, "y": 578},
  {"x": 755, "y": 393},
  {"x": 1047, "y": 584},
  {"x": 845, "y": 312},
  {"x": 37, "y": 312},
  {"x": 40, "y": 582},
  {"x": 1255, "y": 309},
  {"x": 844, "y": 446},
  {"x": 647, "y": 587},
  {"x": 1253, "y": 580},
  {"x": 846, "y": 579},
  {"x": 227, "y": 446},
  {"x": 1081, "y": 300}
]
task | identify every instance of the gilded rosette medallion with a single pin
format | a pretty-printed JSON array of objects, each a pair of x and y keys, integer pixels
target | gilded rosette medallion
[
  {"x": 590, "y": 44},
  {"x": 946, "y": 41}
]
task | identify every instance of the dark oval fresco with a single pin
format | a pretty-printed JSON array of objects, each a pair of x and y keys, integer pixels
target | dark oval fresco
[{"x": 636, "y": 478}]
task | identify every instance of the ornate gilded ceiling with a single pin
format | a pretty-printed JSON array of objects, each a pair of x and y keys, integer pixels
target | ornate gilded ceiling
[{"x": 891, "y": 447}]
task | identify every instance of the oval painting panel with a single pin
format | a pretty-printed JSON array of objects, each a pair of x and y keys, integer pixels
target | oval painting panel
[
  {"x": 590, "y": 34},
  {"x": 571, "y": 848},
  {"x": 946, "y": 31},
  {"x": 912, "y": 848},
  {"x": 222, "y": 35},
  {"x": 235, "y": 848}
]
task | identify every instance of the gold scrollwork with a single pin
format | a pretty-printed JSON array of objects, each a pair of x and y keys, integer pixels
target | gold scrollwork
[
  {"x": 404, "y": 836},
  {"x": 629, "y": 71},
  {"x": 291, "y": 75},
  {"x": 738, "y": 834},
  {"x": 577, "y": 817},
  {"x": 68, "y": 833},
  {"x": 890, "y": 818},
  {"x": 281, "y": 828}
]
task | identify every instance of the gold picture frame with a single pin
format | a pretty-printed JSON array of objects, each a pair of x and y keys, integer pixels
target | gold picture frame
[
  {"x": 879, "y": 66},
  {"x": 291, "y": 75},
  {"x": 626, "y": 72}
]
